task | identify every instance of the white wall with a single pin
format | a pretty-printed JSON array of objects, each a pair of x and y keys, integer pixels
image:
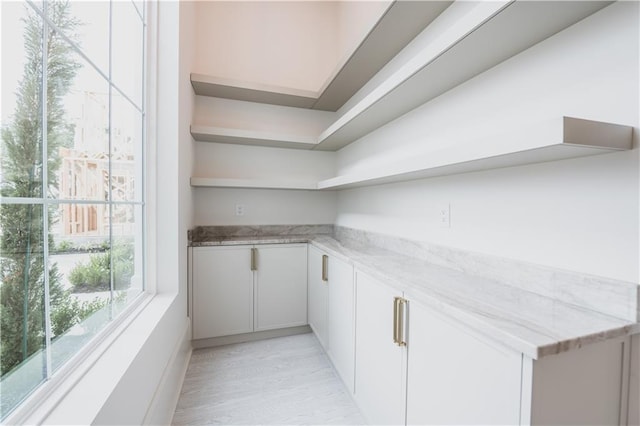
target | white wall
[
  {"x": 242, "y": 161},
  {"x": 294, "y": 44},
  {"x": 216, "y": 206},
  {"x": 263, "y": 207},
  {"x": 268, "y": 42},
  {"x": 276, "y": 119},
  {"x": 188, "y": 56},
  {"x": 579, "y": 214},
  {"x": 174, "y": 149}
]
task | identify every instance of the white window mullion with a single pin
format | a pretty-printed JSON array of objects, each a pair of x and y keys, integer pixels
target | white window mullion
[
  {"x": 149, "y": 241},
  {"x": 109, "y": 189},
  {"x": 140, "y": 12},
  {"x": 45, "y": 187},
  {"x": 140, "y": 222}
]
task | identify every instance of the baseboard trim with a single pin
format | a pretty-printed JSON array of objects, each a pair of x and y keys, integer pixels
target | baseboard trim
[
  {"x": 166, "y": 398},
  {"x": 249, "y": 337}
]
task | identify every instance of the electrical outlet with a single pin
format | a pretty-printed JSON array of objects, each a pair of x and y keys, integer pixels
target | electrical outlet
[
  {"x": 240, "y": 209},
  {"x": 444, "y": 215}
]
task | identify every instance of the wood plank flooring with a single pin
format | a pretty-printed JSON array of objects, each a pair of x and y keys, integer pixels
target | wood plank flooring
[{"x": 286, "y": 381}]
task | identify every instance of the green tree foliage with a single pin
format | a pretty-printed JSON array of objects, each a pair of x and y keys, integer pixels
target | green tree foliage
[
  {"x": 22, "y": 268},
  {"x": 95, "y": 275}
]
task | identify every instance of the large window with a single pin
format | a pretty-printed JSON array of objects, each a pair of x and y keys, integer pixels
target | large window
[{"x": 71, "y": 181}]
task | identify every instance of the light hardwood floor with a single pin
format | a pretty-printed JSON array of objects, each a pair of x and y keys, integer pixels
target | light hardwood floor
[{"x": 285, "y": 380}]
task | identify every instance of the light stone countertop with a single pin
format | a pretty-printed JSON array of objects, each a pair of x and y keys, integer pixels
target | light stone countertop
[
  {"x": 530, "y": 323},
  {"x": 250, "y": 240}
]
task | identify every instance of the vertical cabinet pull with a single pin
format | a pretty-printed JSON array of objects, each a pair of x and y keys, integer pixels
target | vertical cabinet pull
[
  {"x": 396, "y": 301},
  {"x": 254, "y": 255},
  {"x": 325, "y": 267},
  {"x": 399, "y": 305},
  {"x": 401, "y": 328}
]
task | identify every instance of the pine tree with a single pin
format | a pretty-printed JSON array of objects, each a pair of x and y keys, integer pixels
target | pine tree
[{"x": 22, "y": 269}]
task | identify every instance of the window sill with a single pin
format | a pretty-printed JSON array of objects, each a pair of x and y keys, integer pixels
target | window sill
[{"x": 77, "y": 394}]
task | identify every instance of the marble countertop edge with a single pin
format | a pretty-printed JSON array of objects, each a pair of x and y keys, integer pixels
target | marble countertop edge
[
  {"x": 507, "y": 328},
  {"x": 251, "y": 240}
]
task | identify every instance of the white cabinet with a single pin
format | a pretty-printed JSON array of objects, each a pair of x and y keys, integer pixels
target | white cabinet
[
  {"x": 332, "y": 310},
  {"x": 380, "y": 363},
  {"x": 341, "y": 319},
  {"x": 403, "y": 361},
  {"x": 414, "y": 365},
  {"x": 241, "y": 289},
  {"x": 442, "y": 372},
  {"x": 223, "y": 291},
  {"x": 280, "y": 286},
  {"x": 318, "y": 293},
  {"x": 455, "y": 377}
]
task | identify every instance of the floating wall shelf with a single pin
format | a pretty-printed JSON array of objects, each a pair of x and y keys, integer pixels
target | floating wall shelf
[
  {"x": 483, "y": 38},
  {"x": 251, "y": 137},
  {"x": 252, "y": 183},
  {"x": 557, "y": 139},
  {"x": 206, "y": 85},
  {"x": 487, "y": 37}
]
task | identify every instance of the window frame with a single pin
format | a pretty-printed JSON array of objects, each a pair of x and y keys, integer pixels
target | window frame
[{"x": 42, "y": 399}]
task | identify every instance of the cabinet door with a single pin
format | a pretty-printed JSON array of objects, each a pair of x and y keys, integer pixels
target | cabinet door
[
  {"x": 222, "y": 291},
  {"x": 341, "y": 320},
  {"x": 380, "y": 363},
  {"x": 318, "y": 295},
  {"x": 280, "y": 286},
  {"x": 456, "y": 377}
]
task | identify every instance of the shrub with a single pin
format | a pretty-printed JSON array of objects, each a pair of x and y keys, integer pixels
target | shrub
[
  {"x": 96, "y": 274},
  {"x": 73, "y": 312},
  {"x": 64, "y": 246}
]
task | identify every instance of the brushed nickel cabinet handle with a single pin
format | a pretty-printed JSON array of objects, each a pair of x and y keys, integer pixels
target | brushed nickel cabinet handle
[
  {"x": 325, "y": 267},
  {"x": 395, "y": 320},
  {"x": 398, "y": 321},
  {"x": 254, "y": 252},
  {"x": 401, "y": 326}
]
